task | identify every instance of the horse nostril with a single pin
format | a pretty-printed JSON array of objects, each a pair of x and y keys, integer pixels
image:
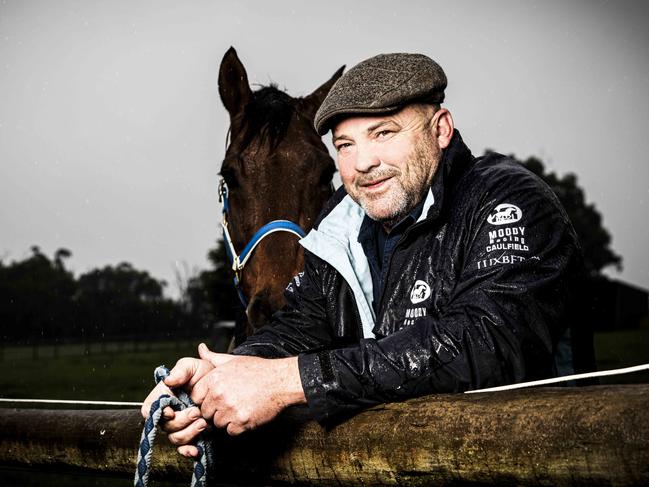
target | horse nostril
[{"x": 259, "y": 310}]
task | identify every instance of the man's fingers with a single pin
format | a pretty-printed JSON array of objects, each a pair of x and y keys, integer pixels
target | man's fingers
[
  {"x": 182, "y": 372},
  {"x": 235, "y": 429},
  {"x": 220, "y": 420},
  {"x": 155, "y": 393},
  {"x": 214, "y": 358},
  {"x": 200, "y": 390},
  {"x": 189, "y": 451},
  {"x": 181, "y": 419},
  {"x": 168, "y": 413},
  {"x": 208, "y": 409},
  {"x": 187, "y": 372},
  {"x": 186, "y": 435}
]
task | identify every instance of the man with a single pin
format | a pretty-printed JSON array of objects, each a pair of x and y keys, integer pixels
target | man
[{"x": 429, "y": 271}]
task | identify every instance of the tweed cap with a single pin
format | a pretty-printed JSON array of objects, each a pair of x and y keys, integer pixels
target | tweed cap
[{"x": 382, "y": 84}]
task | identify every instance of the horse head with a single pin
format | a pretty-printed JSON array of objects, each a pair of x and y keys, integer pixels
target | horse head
[{"x": 276, "y": 167}]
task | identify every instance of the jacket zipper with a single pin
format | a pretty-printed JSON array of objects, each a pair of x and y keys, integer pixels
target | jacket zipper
[{"x": 405, "y": 235}]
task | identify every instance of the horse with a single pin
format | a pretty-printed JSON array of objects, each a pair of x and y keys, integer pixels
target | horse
[{"x": 276, "y": 167}]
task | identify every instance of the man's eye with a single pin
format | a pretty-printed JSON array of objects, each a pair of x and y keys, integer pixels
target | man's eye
[
  {"x": 343, "y": 146},
  {"x": 383, "y": 133}
]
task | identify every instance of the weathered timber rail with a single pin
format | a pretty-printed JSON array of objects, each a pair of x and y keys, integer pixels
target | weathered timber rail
[{"x": 550, "y": 436}]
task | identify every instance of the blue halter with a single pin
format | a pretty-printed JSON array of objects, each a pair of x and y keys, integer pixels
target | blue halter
[{"x": 239, "y": 261}]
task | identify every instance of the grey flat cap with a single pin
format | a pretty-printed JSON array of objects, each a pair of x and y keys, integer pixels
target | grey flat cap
[{"x": 382, "y": 84}]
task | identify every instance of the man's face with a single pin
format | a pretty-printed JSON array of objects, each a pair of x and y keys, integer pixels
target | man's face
[{"x": 387, "y": 162}]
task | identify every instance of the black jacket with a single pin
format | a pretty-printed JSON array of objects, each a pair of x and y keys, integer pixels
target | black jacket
[{"x": 476, "y": 293}]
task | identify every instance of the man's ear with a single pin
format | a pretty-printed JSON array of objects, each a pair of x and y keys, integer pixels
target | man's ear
[{"x": 444, "y": 127}]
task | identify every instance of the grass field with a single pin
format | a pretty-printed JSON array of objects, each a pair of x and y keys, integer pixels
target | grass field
[
  {"x": 124, "y": 372},
  {"x": 624, "y": 348},
  {"x": 112, "y": 372}
]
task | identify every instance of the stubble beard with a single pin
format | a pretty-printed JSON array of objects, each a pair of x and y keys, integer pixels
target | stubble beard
[{"x": 407, "y": 189}]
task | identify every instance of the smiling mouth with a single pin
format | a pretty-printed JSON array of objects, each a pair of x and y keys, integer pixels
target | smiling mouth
[{"x": 372, "y": 185}]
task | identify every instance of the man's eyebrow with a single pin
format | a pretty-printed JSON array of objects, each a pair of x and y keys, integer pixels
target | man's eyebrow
[
  {"x": 340, "y": 136},
  {"x": 372, "y": 128},
  {"x": 369, "y": 130}
]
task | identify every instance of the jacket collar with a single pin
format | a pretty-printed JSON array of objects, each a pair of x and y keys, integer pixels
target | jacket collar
[{"x": 456, "y": 159}]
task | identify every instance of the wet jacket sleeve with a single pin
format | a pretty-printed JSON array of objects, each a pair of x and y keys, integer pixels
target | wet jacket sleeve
[{"x": 498, "y": 326}]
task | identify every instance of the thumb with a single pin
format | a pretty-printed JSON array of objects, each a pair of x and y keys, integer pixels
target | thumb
[
  {"x": 214, "y": 358},
  {"x": 183, "y": 372}
]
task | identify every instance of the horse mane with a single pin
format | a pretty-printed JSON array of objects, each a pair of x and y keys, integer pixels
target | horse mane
[{"x": 267, "y": 115}]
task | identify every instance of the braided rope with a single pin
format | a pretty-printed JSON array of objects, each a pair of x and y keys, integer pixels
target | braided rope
[{"x": 177, "y": 403}]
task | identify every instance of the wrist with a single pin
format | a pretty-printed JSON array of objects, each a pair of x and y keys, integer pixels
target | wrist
[{"x": 292, "y": 392}]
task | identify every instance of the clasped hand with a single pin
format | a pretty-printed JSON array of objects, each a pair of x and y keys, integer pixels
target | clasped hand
[{"x": 234, "y": 392}]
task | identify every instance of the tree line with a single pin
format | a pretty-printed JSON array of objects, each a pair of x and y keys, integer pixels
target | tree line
[{"x": 41, "y": 300}]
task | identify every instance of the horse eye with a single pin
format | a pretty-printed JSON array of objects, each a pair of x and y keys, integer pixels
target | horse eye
[{"x": 230, "y": 177}]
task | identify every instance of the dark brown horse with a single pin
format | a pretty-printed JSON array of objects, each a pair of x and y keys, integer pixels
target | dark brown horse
[{"x": 275, "y": 168}]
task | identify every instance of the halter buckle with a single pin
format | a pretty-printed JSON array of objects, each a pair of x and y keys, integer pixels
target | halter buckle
[{"x": 223, "y": 191}]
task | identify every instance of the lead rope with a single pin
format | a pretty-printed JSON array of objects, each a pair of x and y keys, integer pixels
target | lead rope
[{"x": 178, "y": 403}]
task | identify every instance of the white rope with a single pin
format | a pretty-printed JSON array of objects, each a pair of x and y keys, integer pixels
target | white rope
[
  {"x": 565, "y": 378},
  {"x": 520, "y": 385},
  {"x": 70, "y": 401}
]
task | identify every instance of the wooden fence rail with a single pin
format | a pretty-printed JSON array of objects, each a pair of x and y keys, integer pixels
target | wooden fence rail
[{"x": 549, "y": 436}]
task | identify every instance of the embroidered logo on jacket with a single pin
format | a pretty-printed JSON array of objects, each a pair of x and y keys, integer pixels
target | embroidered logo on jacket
[
  {"x": 413, "y": 313},
  {"x": 296, "y": 282},
  {"x": 505, "y": 213},
  {"x": 508, "y": 238},
  {"x": 420, "y": 292}
]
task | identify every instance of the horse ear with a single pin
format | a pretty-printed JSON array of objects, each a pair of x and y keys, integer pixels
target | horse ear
[
  {"x": 233, "y": 83},
  {"x": 312, "y": 102}
]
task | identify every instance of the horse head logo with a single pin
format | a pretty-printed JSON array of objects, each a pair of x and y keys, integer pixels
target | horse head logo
[
  {"x": 505, "y": 213},
  {"x": 420, "y": 292}
]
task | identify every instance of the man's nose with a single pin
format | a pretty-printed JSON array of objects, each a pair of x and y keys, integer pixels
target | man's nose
[{"x": 366, "y": 158}]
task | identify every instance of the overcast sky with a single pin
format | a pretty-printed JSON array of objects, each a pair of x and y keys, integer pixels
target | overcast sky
[{"x": 112, "y": 132}]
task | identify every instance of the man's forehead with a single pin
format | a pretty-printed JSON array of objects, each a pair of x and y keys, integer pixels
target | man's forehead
[{"x": 361, "y": 122}]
